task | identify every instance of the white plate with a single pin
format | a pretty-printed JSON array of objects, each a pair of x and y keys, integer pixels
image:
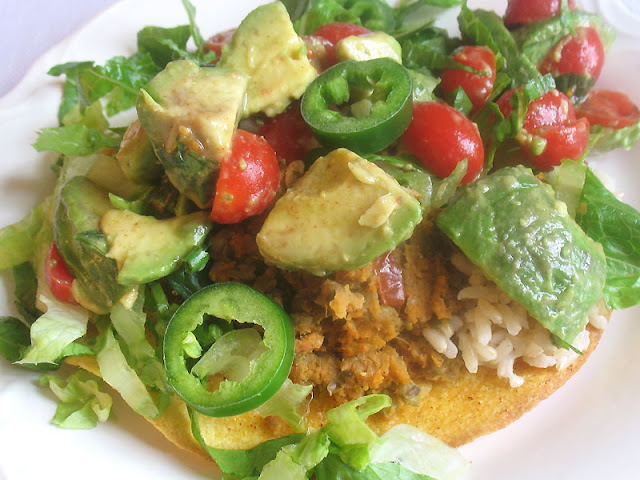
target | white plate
[{"x": 588, "y": 429}]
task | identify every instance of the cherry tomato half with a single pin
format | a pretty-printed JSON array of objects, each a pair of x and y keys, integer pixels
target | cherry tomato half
[
  {"x": 522, "y": 12},
  {"x": 219, "y": 40},
  {"x": 441, "y": 137},
  {"x": 551, "y": 131},
  {"x": 477, "y": 87},
  {"x": 318, "y": 51},
  {"x": 334, "y": 32},
  {"x": 582, "y": 53},
  {"x": 58, "y": 277},
  {"x": 288, "y": 134},
  {"x": 248, "y": 179},
  {"x": 609, "y": 108}
]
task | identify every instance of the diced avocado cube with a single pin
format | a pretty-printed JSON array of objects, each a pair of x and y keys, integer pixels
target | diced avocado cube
[
  {"x": 369, "y": 46},
  {"x": 106, "y": 173},
  {"x": 136, "y": 157},
  {"x": 76, "y": 231},
  {"x": 147, "y": 249},
  {"x": 342, "y": 214},
  {"x": 190, "y": 114},
  {"x": 268, "y": 50},
  {"x": 511, "y": 225}
]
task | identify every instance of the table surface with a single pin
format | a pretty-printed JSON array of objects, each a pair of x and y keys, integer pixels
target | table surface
[{"x": 28, "y": 28}]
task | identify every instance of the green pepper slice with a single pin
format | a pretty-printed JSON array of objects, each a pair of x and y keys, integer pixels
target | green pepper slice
[
  {"x": 231, "y": 302},
  {"x": 363, "y": 106}
]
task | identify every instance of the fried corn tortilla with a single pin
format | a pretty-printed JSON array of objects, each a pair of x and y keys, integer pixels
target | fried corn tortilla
[{"x": 455, "y": 410}]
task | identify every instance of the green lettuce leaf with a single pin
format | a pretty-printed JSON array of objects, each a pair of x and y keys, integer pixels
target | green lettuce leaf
[
  {"x": 603, "y": 139},
  {"x": 118, "y": 81},
  {"x": 18, "y": 241},
  {"x": 116, "y": 372},
  {"x": 26, "y": 291},
  {"x": 154, "y": 41},
  {"x": 616, "y": 226},
  {"x": 82, "y": 404},
  {"x": 376, "y": 15},
  {"x": 14, "y": 338},
  {"x": 482, "y": 27},
  {"x": 412, "y": 17},
  {"x": 242, "y": 463},
  {"x": 536, "y": 40},
  {"x": 75, "y": 139},
  {"x": 567, "y": 181},
  {"x": 333, "y": 468},
  {"x": 418, "y": 452},
  {"x": 130, "y": 326},
  {"x": 293, "y": 462},
  {"x": 287, "y": 403},
  {"x": 54, "y": 331}
]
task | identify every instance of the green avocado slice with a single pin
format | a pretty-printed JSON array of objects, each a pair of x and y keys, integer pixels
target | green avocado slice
[
  {"x": 342, "y": 214},
  {"x": 146, "y": 248},
  {"x": 511, "y": 225}
]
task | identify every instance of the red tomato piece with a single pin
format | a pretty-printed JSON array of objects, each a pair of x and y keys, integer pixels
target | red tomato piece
[
  {"x": 477, "y": 87},
  {"x": 522, "y": 12},
  {"x": 318, "y": 51},
  {"x": 288, "y": 134},
  {"x": 334, "y": 32},
  {"x": 219, "y": 40},
  {"x": 551, "y": 131},
  {"x": 609, "y": 108},
  {"x": 582, "y": 53},
  {"x": 58, "y": 277},
  {"x": 390, "y": 280},
  {"x": 441, "y": 137},
  {"x": 248, "y": 179}
]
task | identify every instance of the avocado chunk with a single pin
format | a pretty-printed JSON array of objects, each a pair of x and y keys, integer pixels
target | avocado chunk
[
  {"x": 369, "y": 46},
  {"x": 268, "y": 50},
  {"x": 190, "y": 114},
  {"x": 147, "y": 249},
  {"x": 342, "y": 214},
  {"x": 511, "y": 225},
  {"x": 106, "y": 173},
  {"x": 82, "y": 245},
  {"x": 136, "y": 157}
]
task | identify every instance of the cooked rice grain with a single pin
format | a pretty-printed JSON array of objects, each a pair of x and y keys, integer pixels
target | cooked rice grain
[{"x": 497, "y": 332}]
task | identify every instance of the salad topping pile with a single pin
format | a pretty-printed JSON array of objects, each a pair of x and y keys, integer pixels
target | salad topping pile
[{"x": 278, "y": 220}]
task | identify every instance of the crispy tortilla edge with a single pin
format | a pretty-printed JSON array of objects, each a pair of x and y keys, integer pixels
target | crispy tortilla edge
[{"x": 456, "y": 411}]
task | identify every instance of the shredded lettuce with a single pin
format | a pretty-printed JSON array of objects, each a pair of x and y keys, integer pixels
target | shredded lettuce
[
  {"x": 60, "y": 325},
  {"x": 344, "y": 448},
  {"x": 567, "y": 181},
  {"x": 116, "y": 372},
  {"x": 130, "y": 326},
  {"x": 82, "y": 404},
  {"x": 419, "y": 452},
  {"x": 18, "y": 241},
  {"x": 603, "y": 139},
  {"x": 287, "y": 403}
]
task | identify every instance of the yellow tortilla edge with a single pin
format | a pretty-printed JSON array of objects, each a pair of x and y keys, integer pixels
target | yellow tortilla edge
[{"x": 456, "y": 410}]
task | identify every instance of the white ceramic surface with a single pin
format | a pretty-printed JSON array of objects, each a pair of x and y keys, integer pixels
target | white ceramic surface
[{"x": 587, "y": 430}]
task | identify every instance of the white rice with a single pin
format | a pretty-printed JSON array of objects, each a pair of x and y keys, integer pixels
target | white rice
[{"x": 496, "y": 332}]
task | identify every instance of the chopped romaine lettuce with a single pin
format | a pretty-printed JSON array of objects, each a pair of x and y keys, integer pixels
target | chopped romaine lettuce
[
  {"x": 81, "y": 402},
  {"x": 54, "y": 331},
  {"x": 116, "y": 372},
  {"x": 616, "y": 226}
]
